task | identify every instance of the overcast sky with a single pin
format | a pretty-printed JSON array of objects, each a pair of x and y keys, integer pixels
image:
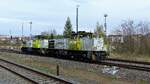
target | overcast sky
[{"x": 52, "y": 14}]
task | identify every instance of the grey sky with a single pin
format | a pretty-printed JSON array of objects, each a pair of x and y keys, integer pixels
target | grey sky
[{"x": 52, "y": 14}]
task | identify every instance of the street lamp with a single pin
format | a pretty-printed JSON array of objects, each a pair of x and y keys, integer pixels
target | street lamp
[
  {"x": 30, "y": 29},
  {"x": 10, "y": 32},
  {"x": 105, "y": 24},
  {"x": 77, "y": 18},
  {"x": 22, "y": 29}
]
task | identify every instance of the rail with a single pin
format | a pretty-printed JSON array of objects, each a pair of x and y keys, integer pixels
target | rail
[
  {"x": 143, "y": 66},
  {"x": 56, "y": 78},
  {"x": 26, "y": 78},
  {"x": 130, "y": 64}
]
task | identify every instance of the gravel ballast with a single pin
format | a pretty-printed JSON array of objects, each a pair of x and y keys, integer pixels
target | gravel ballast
[{"x": 82, "y": 72}]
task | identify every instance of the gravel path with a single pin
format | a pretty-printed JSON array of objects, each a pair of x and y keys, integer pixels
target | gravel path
[
  {"x": 7, "y": 77},
  {"x": 81, "y": 72}
]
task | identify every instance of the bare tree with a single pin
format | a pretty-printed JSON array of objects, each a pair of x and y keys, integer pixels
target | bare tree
[
  {"x": 128, "y": 29},
  {"x": 135, "y": 37},
  {"x": 143, "y": 30},
  {"x": 99, "y": 31}
]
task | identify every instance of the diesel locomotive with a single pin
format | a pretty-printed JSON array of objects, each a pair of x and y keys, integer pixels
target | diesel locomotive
[{"x": 79, "y": 47}]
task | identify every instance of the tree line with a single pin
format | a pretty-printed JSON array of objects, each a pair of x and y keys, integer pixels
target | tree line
[
  {"x": 68, "y": 31},
  {"x": 135, "y": 36}
]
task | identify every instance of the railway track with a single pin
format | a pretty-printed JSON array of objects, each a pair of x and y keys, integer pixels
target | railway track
[
  {"x": 10, "y": 50},
  {"x": 24, "y": 77},
  {"x": 32, "y": 75},
  {"x": 129, "y": 61},
  {"x": 137, "y": 65}
]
